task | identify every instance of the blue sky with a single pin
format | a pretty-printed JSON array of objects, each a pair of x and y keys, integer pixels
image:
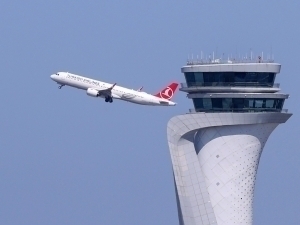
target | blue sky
[{"x": 67, "y": 158}]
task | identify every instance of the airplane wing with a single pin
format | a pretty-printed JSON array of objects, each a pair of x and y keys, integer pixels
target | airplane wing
[{"x": 107, "y": 91}]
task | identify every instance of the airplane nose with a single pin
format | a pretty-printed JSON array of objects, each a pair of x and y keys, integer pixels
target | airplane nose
[{"x": 52, "y": 76}]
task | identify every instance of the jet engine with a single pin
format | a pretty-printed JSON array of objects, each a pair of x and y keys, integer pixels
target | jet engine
[{"x": 92, "y": 92}]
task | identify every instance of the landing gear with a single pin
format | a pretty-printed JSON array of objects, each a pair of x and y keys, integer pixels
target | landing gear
[
  {"x": 60, "y": 86},
  {"x": 108, "y": 99}
]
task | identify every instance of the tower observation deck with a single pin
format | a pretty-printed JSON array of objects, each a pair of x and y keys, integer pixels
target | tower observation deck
[{"x": 215, "y": 148}]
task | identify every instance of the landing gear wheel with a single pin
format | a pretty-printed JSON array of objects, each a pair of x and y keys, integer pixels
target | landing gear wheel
[
  {"x": 60, "y": 86},
  {"x": 108, "y": 99}
]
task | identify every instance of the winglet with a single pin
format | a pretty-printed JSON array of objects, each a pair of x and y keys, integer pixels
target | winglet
[
  {"x": 140, "y": 88},
  {"x": 112, "y": 86}
]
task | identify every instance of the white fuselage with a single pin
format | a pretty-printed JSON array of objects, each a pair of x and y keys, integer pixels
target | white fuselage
[{"x": 117, "y": 92}]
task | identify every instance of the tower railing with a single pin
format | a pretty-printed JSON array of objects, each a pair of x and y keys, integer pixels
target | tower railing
[{"x": 227, "y": 61}]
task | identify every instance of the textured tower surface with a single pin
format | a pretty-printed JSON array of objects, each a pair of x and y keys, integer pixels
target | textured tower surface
[{"x": 215, "y": 150}]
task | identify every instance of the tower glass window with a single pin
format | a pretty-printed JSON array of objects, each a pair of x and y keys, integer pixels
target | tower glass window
[
  {"x": 237, "y": 105},
  {"x": 229, "y": 79}
]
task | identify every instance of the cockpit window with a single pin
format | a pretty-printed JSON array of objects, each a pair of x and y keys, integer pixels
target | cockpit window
[{"x": 57, "y": 74}]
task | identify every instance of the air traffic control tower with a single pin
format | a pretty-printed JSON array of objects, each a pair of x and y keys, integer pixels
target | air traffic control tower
[{"x": 215, "y": 148}]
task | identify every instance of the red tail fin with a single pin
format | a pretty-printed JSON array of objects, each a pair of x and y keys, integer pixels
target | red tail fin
[{"x": 168, "y": 92}]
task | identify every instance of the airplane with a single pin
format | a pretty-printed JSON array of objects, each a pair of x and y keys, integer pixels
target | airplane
[{"x": 109, "y": 92}]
